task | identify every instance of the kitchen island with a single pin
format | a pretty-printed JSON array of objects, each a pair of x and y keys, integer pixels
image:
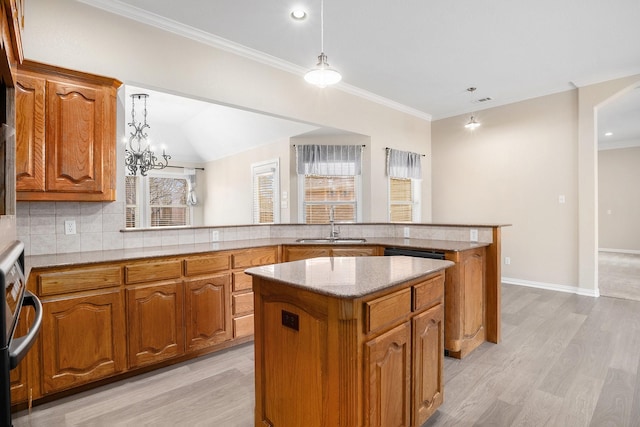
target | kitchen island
[{"x": 349, "y": 341}]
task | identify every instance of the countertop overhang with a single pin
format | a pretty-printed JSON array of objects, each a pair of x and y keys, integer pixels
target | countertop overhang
[{"x": 349, "y": 277}]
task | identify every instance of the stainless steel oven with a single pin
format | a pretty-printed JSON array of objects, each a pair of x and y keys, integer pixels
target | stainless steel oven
[{"x": 14, "y": 296}]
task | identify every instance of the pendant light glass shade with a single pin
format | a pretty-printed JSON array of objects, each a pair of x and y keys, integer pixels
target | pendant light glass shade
[
  {"x": 472, "y": 123},
  {"x": 322, "y": 75}
]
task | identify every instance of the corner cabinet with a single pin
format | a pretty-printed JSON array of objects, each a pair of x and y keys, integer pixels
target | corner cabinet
[{"x": 65, "y": 134}]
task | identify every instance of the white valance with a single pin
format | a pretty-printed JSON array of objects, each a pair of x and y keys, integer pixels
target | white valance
[
  {"x": 324, "y": 160},
  {"x": 403, "y": 164}
]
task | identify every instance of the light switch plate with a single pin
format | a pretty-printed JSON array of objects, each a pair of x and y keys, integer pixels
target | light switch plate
[
  {"x": 473, "y": 234},
  {"x": 215, "y": 235}
]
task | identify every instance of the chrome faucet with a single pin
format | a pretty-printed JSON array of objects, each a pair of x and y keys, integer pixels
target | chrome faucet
[{"x": 334, "y": 233}]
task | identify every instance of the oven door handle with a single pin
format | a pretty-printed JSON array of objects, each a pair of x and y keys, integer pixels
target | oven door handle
[{"x": 20, "y": 346}]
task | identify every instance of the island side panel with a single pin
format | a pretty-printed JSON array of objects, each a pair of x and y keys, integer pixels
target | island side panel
[
  {"x": 493, "y": 272},
  {"x": 291, "y": 334}
]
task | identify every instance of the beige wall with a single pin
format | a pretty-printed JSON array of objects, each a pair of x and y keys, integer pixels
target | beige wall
[
  {"x": 619, "y": 199},
  {"x": 512, "y": 170},
  {"x": 73, "y": 35}
]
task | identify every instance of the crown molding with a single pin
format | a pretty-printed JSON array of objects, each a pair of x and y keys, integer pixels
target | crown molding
[{"x": 119, "y": 8}]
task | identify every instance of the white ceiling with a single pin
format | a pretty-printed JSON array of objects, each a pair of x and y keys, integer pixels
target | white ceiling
[{"x": 421, "y": 55}]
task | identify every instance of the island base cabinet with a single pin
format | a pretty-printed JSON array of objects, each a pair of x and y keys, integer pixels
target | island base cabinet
[
  {"x": 83, "y": 340},
  {"x": 388, "y": 370},
  {"x": 155, "y": 320},
  {"x": 428, "y": 369},
  {"x": 375, "y": 360}
]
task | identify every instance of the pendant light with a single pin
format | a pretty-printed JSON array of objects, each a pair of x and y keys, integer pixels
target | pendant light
[
  {"x": 322, "y": 75},
  {"x": 472, "y": 124}
]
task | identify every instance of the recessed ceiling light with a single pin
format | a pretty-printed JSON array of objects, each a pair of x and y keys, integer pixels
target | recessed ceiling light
[
  {"x": 608, "y": 134},
  {"x": 298, "y": 14}
]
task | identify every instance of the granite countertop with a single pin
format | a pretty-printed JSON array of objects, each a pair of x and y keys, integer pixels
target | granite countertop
[
  {"x": 349, "y": 277},
  {"x": 92, "y": 257}
]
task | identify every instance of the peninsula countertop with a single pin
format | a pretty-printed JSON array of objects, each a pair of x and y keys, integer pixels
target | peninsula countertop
[
  {"x": 92, "y": 257},
  {"x": 349, "y": 277}
]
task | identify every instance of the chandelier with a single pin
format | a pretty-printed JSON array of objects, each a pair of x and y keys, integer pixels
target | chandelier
[
  {"x": 138, "y": 152},
  {"x": 322, "y": 74}
]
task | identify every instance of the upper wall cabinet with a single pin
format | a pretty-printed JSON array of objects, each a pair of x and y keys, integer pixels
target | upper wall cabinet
[{"x": 66, "y": 134}]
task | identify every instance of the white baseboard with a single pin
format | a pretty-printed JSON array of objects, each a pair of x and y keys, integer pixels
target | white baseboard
[
  {"x": 552, "y": 287},
  {"x": 620, "y": 251}
]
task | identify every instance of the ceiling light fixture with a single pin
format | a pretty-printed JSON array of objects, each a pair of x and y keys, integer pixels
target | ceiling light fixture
[
  {"x": 138, "y": 152},
  {"x": 472, "y": 124},
  {"x": 608, "y": 134},
  {"x": 322, "y": 75},
  {"x": 298, "y": 14}
]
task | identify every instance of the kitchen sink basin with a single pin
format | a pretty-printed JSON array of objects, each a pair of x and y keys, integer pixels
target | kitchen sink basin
[{"x": 331, "y": 240}]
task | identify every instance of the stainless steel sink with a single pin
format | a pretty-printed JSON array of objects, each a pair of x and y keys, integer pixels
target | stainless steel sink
[{"x": 331, "y": 240}]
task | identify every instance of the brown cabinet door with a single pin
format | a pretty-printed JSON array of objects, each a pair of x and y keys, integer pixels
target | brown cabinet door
[
  {"x": 355, "y": 251},
  {"x": 18, "y": 376},
  {"x": 207, "y": 317},
  {"x": 473, "y": 294},
  {"x": 83, "y": 340},
  {"x": 30, "y": 119},
  {"x": 75, "y": 141},
  {"x": 387, "y": 380},
  {"x": 155, "y": 323},
  {"x": 295, "y": 253},
  {"x": 428, "y": 348}
]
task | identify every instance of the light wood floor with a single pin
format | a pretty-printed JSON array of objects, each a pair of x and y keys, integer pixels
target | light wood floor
[
  {"x": 565, "y": 360},
  {"x": 619, "y": 275}
]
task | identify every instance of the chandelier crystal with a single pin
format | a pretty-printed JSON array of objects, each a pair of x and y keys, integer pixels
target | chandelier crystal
[
  {"x": 322, "y": 75},
  {"x": 138, "y": 152}
]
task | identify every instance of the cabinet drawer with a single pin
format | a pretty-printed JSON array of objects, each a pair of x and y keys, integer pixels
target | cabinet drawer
[
  {"x": 206, "y": 264},
  {"x": 386, "y": 309},
  {"x": 243, "y": 303},
  {"x": 254, "y": 257},
  {"x": 428, "y": 293},
  {"x": 243, "y": 326},
  {"x": 79, "y": 280},
  {"x": 241, "y": 281},
  {"x": 153, "y": 271}
]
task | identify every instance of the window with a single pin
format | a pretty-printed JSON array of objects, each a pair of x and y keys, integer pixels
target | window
[
  {"x": 405, "y": 173},
  {"x": 323, "y": 192},
  {"x": 158, "y": 200},
  {"x": 329, "y": 177},
  {"x": 404, "y": 199},
  {"x": 266, "y": 179}
]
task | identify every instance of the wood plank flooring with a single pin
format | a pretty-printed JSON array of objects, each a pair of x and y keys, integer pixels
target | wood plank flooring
[
  {"x": 619, "y": 275},
  {"x": 565, "y": 360}
]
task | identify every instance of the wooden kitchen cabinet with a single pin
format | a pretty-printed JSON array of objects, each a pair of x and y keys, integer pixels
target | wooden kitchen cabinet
[
  {"x": 297, "y": 252},
  {"x": 465, "y": 302},
  {"x": 65, "y": 134},
  {"x": 207, "y": 311},
  {"x": 19, "y": 376},
  {"x": 155, "y": 323},
  {"x": 374, "y": 360},
  {"x": 388, "y": 378},
  {"x": 242, "y": 295},
  {"x": 83, "y": 339}
]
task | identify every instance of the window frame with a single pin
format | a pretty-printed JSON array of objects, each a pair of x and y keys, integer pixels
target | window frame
[
  {"x": 302, "y": 204},
  {"x": 143, "y": 219},
  {"x": 260, "y": 168},
  {"x": 415, "y": 203}
]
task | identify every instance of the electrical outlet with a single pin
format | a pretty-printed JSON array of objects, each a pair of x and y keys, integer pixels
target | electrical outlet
[
  {"x": 507, "y": 260},
  {"x": 406, "y": 232},
  {"x": 473, "y": 235},
  {"x": 215, "y": 235},
  {"x": 70, "y": 227}
]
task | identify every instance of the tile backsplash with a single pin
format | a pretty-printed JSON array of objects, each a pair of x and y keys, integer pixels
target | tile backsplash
[{"x": 41, "y": 226}]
